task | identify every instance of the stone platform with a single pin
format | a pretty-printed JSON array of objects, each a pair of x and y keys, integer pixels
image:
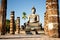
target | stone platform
[
  {"x": 26, "y": 37},
  {"x": 40, "y": 36}
]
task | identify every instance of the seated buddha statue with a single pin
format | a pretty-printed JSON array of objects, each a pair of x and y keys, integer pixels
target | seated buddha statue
[
  {"x": 33, "y": 22},
  {"x": 33, "y": 19}
]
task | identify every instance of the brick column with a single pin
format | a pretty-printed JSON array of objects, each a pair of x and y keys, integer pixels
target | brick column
[
  {"x": 12, "y": 23},
  {"x": 17, "y": 25},
  {"x": 52, "y": 11},
  {"x": 3, "y": 16}
]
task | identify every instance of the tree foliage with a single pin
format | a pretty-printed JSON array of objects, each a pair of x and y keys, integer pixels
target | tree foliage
[
  {"x": 24, "y": 15},
  {"x": 7, "y": 25}
]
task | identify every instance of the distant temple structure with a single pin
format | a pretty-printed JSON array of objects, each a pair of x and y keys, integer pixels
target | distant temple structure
[
  {"x": 3, "y": 9},
  {"x": 51, "y": 17}
]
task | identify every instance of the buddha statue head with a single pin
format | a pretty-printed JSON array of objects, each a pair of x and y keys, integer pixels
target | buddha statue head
[{"x": 33, "y": 10}]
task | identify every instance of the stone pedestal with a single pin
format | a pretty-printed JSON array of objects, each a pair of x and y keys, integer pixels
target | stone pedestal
[
  {"x": 17, "y": 26},
  {"x": 51, "y": 20},
  {"x": 12, "y": 23}
]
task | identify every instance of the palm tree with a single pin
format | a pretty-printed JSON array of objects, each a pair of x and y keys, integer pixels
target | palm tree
[{"x": 24, "y": 16}]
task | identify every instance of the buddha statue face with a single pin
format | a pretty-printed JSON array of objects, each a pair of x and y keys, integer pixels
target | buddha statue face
[{"x": 33, "y": 10}]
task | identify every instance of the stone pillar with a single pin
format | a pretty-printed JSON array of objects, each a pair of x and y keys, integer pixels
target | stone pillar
[
  {"x": 52, "y": 11},
  {"x": 17, "y": 25},
  {"x": 3, "y": 17},
  {"x": 12, "y": 23}
]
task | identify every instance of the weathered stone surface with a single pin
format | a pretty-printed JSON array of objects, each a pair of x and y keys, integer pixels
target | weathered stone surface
[{"x": 53, "y": 19}]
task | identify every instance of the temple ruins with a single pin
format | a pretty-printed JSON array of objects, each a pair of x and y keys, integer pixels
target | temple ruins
[{"x": 51, "y": 20}]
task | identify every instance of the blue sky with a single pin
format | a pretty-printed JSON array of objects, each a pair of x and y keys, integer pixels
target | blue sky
[{"x": 20, "y": 6}]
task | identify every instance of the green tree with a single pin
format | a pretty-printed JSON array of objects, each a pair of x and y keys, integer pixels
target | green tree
[
  {"x": 24, "y": 16},
  {"x": 7, "y": 25}
]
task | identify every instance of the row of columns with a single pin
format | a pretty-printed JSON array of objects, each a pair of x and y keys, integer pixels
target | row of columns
[
  {"x": 14, "y": 29},
  {"x": 3, "y": 13}
]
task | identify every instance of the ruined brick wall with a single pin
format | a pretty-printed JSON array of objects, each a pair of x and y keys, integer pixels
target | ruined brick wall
[{"x": 51, "y": 26}]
